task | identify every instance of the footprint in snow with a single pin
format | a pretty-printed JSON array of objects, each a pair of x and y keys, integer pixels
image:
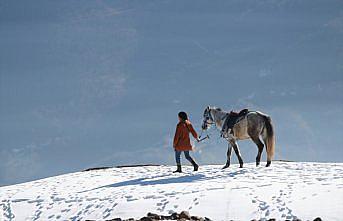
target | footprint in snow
[
  {"x": 65, "y": 210},
  {"x": 19, "y": 200},
  {"x": 196, "y": 201},
  {"x": 106, "y": 215},
  {"x": 162, "y": 205}
]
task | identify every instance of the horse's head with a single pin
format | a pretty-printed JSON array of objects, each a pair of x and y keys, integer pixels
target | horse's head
[{"x": 208, "y": 119}]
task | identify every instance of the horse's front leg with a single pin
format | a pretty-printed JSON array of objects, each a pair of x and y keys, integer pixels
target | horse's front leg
[
  {"x": 228, "y": 155},
  {"x": 235, "y": 148}
]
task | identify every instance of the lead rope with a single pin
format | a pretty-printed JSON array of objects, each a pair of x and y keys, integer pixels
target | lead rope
[
  {"x": 207, "y": 137},
  {"x": 204, "y": 138}
]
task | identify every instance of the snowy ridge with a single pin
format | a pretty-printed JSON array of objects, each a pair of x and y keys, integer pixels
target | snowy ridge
[{"x": 283, "y": 191}]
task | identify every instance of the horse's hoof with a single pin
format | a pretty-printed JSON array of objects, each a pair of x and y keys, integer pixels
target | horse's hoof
[
  {"x": 226, "y": 166},
  {"x": 257, "y": 164},
  {"x": 241, "y": 166},
  {"x": 268, "y": 163}
]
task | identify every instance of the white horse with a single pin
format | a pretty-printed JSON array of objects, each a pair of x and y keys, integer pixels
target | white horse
[{"x": 253, "y": 125}]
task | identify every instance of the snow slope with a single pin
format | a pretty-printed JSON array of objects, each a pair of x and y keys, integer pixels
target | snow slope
[{"x": 282, "y": 191}]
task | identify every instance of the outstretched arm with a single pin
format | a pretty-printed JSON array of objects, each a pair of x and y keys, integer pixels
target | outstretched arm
[{"x": 193, "y": 132}]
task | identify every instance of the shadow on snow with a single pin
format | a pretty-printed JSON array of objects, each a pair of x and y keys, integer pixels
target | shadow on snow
[{"x": 160, "y": 180}]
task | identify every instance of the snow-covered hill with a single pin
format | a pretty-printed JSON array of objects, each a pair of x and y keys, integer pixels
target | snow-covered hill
[{"x": 282, "y": 191}]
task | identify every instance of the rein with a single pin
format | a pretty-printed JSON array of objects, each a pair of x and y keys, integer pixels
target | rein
[{"x": 213, "y": 122}]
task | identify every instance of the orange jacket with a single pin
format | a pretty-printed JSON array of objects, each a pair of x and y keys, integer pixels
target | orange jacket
[{"x": 181, "y": 138}]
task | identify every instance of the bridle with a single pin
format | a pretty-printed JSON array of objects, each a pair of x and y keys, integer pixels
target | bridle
[
  {"x": 208, "y": 117},
  {"x": 205, "y": 124}
]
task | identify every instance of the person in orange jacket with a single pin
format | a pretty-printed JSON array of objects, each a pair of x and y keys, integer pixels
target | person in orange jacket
[{"x": 182, "y": 141}]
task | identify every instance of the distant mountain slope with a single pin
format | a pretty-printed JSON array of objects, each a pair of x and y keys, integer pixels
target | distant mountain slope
[{"x": 284, "y": 191}]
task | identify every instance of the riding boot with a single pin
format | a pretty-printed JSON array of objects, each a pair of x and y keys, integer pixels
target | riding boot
[
  {"x": 195, "y": 165},
  {"x": 178, "y": 170}
]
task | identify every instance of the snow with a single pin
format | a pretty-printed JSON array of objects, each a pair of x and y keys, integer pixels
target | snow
[{"x": 285, "y": 190}]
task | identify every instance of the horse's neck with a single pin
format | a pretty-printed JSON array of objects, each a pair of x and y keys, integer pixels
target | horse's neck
[{"x": 219, "y": 118}]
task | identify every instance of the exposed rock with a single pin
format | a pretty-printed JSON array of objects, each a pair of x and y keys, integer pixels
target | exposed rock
[
  {"x": 175, "y": 216},
  {"x": 185, "y": 215},
  {"x": 197, "y": 218},
  {"x": 145, "y": 218},
  {"x": 96, "y": 168},
  {"x": 166, "y": 217},
  {"x": 154, "y": 216}
]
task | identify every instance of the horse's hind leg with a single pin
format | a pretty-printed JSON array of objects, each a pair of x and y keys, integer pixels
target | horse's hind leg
[
  {"x": 235, "y": 148},
  {"x": 269, "y": 161},
  {"x": 260, "y": 146},
  {"x": 228, "y": 154}
]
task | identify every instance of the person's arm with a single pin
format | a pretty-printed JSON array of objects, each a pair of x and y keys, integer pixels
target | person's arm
[
  {"x": 193, "y": 132},
  {"x": 176, "y": 136}
]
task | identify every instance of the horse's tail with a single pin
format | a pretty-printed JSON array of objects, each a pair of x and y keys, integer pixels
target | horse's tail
[{"x": 269, "y": 138}]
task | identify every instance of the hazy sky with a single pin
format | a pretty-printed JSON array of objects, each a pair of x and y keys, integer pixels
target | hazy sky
[{"x": 100, "y": 83}]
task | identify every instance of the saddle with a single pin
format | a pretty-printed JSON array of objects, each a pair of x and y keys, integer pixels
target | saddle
[{"x": 233, "y": 118}]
